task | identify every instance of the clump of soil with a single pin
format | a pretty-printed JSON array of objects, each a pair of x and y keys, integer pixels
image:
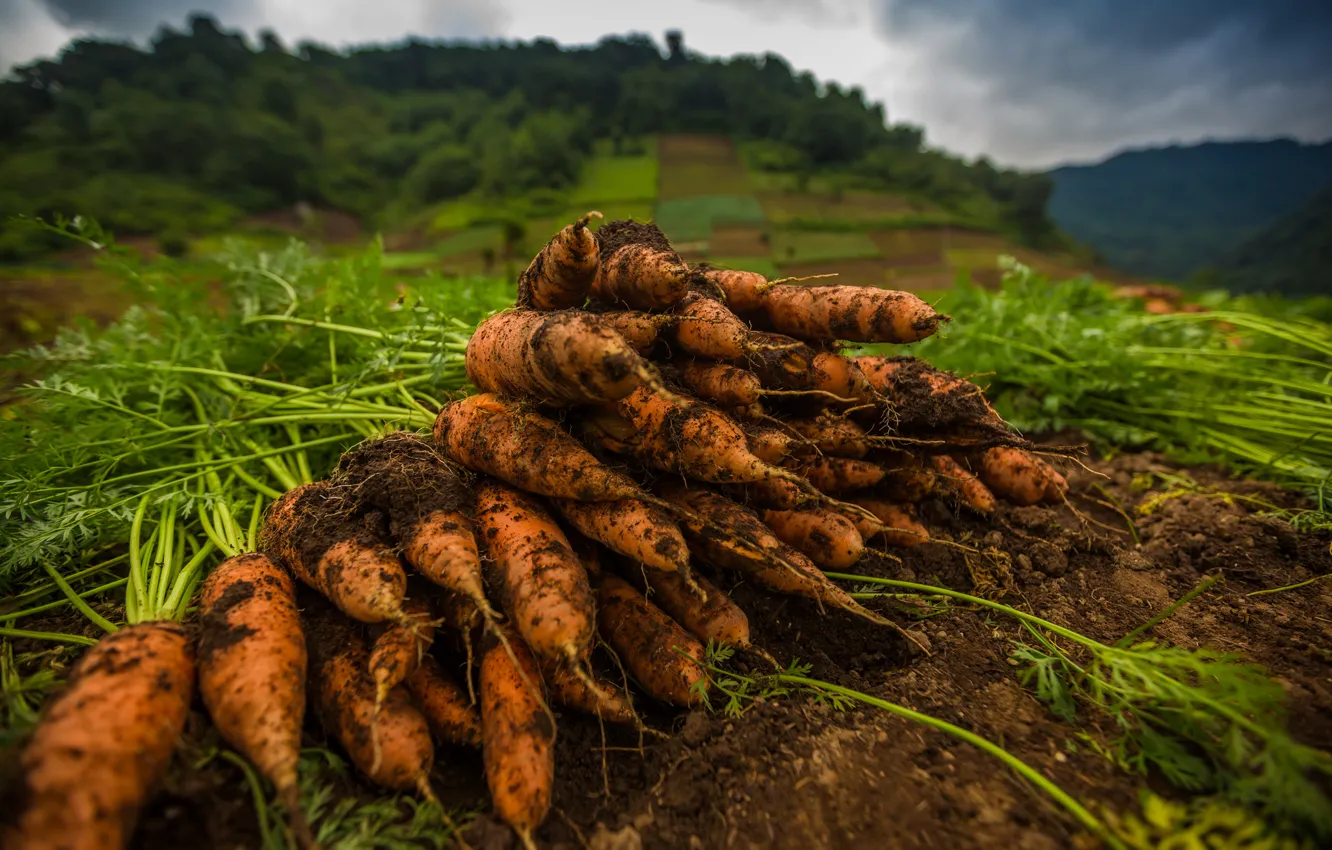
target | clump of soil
[
  {"x": 405, "y": 477},
  {"x": 614, "y": 235}
]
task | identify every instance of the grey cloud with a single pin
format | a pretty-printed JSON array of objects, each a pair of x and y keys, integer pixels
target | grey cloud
[
  {"x": 470, "y": 19},
  {"x": 122, "y": 18},
  {"x": 1047, "y": 79}
]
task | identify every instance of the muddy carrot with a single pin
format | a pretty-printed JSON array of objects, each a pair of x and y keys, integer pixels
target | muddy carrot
[
  {"x": 638, "y": 328},
  {"x": 1020, "y": 477},
  {"x": 661, "y": 655},
  {"x": 106, "y": 741},
  {"x": 861, "y": 314},
  {"x": 834, "y": 435},
  {"x": 897, "y": 523},
  {"x": 567, "y": 357},
  {"x": 634, "y": 529},
  {"x": 252, "y": 671},
  {"x": 487, "y": 434},
  {"x": 607, "y": 701},
  {"x": 400, "y": 646},
  {"x": 561, "y": 274},
  {"x": 544, "y": 587},
  {"x": 638, "y": 267},
  {"x": 721, "y": 384},
  {"x": 963, "y": 484},
  {"x": 826, "y": 537},
  {"x": 837, "y": 475},
  {"x": 705, "y": 328},
  {"x": 310, "y": 531},
  {"x": 718, "y": 619},
  {"x": 445, "y": 706},
  {"x": 518, "y": 735}
]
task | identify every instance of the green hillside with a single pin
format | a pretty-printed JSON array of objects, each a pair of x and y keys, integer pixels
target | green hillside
[
  {"x": 480, "y": 144},
  {"x": 1293, "y": 256},
  {"x": 1167, "y": 212}
]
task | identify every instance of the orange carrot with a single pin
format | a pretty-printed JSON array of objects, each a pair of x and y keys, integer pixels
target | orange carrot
[
  {"x": 1020, "y": 477},
  {"x": 661, "y": 655},
  {"x": 834, "y": 435},
  {"x": 106, "y": 741},
  {"x": 908, "y": 478},
  {"x": 607, "y": 701},
  {"x": 634, "y": 529},
  {"x": 861, "y": 314},
  {"x": 718, "y": 619},
  {"x": 486, "y": 434},
  {"x": 688, "y": 438},
  {"x": 252, "y": 667},
  {"x": 828, "y": 538},
  {"x": 399, "y": 648},
  {"x": 445, "y": 706},
  {"x": 560, "y": 275},
  {"x": 927, "y": 398},
  {"x": 771, "y": 444},
  {"x": 838, "y": 475},
  {"x": 518, "y": 735},
  {"x": 390, "y": 744},
  {"x": 636, "y": 327},
  {"x": 731, "y": 537},
  {"x": 720, "y": 384},
  {"x": 707, "y": 329},
  {"x": 310, "y": 531},
  {"x": 780, "y": 362},
  {"x": 897, "y": 523},
  {"x": 544, "y": 587},
  {"x": 423, "y": 494},
  {"x": 963, "y": 484},
  {"x": 566, "y": 357},
  {"x": 638, "y": 267},
  {"x": 740, "y": 289},
  {"x": 842, "y": 376}
]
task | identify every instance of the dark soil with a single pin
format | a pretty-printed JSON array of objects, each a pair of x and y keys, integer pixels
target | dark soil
[
  {"x": 614, "y": 235},
  {"x": 791, "y": 773}
]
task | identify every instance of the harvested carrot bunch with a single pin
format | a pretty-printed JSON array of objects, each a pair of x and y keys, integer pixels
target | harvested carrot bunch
[{"x": 645, "y": 437}]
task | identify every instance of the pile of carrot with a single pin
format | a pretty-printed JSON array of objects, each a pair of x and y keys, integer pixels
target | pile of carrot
[{"x": 645, "y": 434}]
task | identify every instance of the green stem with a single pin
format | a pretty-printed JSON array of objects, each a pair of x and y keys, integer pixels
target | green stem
[
  {"x": 1202, "y": 587},
  {"x": 256, "y": 792},
  {"x": 77, "y": 601},
  {"x": 185, "y": 580},
  {"x": 976, "y": 600},
  {"x": 28, "y": 612},
  {"x": 136, "y": 562},
  {"x": 39, "y": 592},
  {"x": 1017, "y": 765},
  {"x": 56, "y": 636}
]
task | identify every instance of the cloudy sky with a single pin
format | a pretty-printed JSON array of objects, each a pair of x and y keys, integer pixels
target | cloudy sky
[{"x": 1029, "y": 82}]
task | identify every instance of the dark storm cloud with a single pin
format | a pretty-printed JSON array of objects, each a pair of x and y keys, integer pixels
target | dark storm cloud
[
  {"x": 1120, "y": 70},
  {"x": 135, "y": 17}
]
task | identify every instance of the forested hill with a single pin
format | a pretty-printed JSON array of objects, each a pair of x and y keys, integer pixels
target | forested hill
[
  {"x": 1171, "y": 212},
  {"x": 203, "y": 127},
  {"x": 1293, "y": 256}
]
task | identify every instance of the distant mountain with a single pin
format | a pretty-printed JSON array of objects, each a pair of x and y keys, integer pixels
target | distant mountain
[
  {"x": 1167, "y": 212},
  {"x": 1293, "y": 256}
]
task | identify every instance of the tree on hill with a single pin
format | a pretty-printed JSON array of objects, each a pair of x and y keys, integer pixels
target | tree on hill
[{"x": 202, "y": 127}]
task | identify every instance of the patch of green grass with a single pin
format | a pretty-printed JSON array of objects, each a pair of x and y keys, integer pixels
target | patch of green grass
[
  {"x": 616, "y": 178},
  {"x": 692, "y": 219},
  {"x": 403, "y": 260},
  {"x": 762, "y": 265},
  {"x": 804, "y": 246},
  {"x": 470, "y": 241}
]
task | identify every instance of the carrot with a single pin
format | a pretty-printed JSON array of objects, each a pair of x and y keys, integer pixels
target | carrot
[
  {"x": 399, "y": 648},
  {"x": 718, "y": 619},
  {"x": 928, "y": 399},
  {"x": 705, "y": 328},
  {"x": 518, "y": 735},
  {"x": 636, "y": 327},
  {"x": 861, "y": 314},
  {"x": 567, "y": 357},
  {"x": 634, "y": 529},
  {"x": 834, "y": 435},
  {"x": 527, "y": 450},
  {"x": 828, "y": 538},
  {"x": 447, "y": 711},
  {"x": 661, "y": 655},
  {"x": 252, "y": 671},
  {"x": 544, "y": 588},
  {"x": 638, "y": 267},
  {"x": 731, "y": 537},
  {"x": 741, "y": 289},
  {"x": 780, "y": 362},
  {"x": 771, "y": 444},
  {"x": 842, "y": 376},
  {"x": 106, "y": 741},
  {"x": 963, "y": 484},
  {"x": 310, "y": 531},
  {"x": 688, "y": 438},
  {"x": 748, "y": 413},
  {"x": 897, "y": 523},
  {"x": 607, "y": 701},
  {"x": 426, "y": 500},
  {"x": 391, "y": 743},
  {"x": 838, "y": 475},
  {"x": 908, "y": 478},
  {"x": 560, "y": 275},
  {"x": 1020, "y": 477},
  {"x": 721, "y": 384}
]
